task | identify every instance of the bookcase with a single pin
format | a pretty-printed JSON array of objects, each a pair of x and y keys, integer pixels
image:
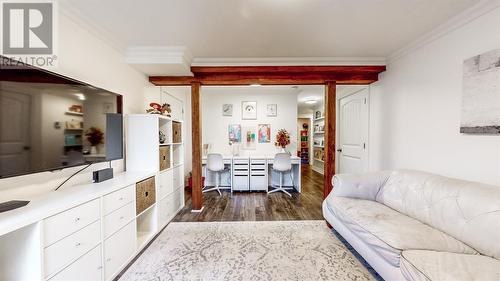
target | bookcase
[{"x": 146, "y": 151}]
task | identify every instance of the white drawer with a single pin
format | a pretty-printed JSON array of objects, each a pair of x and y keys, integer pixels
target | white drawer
[
  {"x": 119, "y": 198},
  {"x": 258, "y": 183},
  {"x": 165, "y": 183},
  {"x": 119, "y": 249},
  {"x": 165, "y": 207},
  {"x": 70, "y": 221},
  {"x": 240, "y": 182},
  {"x": 118, "y": 219},
  {"x": 70, "y": 248},
  {"x": 258, "y": 161},
  {"x": 178, "y": 177},
  {"x": 87, "y": 268}
]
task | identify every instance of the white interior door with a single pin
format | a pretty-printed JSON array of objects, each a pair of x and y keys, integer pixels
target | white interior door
[
  {"x": 14, "y": 133},
  {"x": 352, "y": 152}
]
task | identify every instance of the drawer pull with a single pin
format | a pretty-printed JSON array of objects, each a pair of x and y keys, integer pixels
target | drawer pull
[
  {"x": 99, "y": 268},
  {"x": 121, "y": 198},
  {"x": 122, "y": 217},
  {"x": 77, "y": 219},
  {"x": 108, "y": 259},
  {"x": 78, "y": 244}
]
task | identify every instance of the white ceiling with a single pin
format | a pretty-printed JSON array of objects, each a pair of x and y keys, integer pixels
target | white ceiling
[{"x": 269, "y": 28}]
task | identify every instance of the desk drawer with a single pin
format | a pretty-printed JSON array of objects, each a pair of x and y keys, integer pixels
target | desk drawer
[
  {"x": 258, "y": 183},
  {"x": 118, "y": 199},
  {"x": 87, "y": 268},
  {"x": 258, "y": 161},
  {"x": 118, "y": 219},
  {"x": 70, "y": 248},
  {"x": 165, "y": 183},
  {"x": 118, "y": 249},
  {"x": 70, "y": 221},
  {"x": 240, "y": 183}
]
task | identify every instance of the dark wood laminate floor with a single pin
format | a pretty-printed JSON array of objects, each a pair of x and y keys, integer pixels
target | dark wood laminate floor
[{"x": 259, "y": 206}]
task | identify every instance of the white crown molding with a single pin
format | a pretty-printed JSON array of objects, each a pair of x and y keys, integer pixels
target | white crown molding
[
  {"x": 467, "y": 16},
  {"x": 158, "y": 55},
  {"x": 72, "y": 13},
  {"x": 287, "y": 61}
]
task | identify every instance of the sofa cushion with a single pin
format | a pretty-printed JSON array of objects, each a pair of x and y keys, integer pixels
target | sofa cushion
[
  {"x": 388, "y": 231},
  {"x": 430, "y": 265},
  {"x": 465, "y": 210}
]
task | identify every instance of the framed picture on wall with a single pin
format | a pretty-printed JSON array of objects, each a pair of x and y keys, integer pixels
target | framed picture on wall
[
  {"x": 264, "y": 133},
  {"x": 272, "y": 110},
  {"x": 249, "y": 110},
  {"x": 227, "y": 110}
]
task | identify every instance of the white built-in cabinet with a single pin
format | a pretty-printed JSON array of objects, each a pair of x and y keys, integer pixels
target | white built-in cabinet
[{"x": 96, "y": 238}]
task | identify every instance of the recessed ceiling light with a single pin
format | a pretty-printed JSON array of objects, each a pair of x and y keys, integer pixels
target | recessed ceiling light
[
  {"x": 310, "y": 101},
  {"x": 255, "y": 85}
]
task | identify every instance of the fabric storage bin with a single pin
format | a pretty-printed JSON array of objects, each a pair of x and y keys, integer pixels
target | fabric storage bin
[{"x": 145, "y": 194}]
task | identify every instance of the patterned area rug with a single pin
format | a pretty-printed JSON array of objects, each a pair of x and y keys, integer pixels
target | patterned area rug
[{"x": 272, "y": 250}]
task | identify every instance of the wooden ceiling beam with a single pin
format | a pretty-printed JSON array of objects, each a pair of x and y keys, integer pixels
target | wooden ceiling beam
[{"x": 273, "y": 75}]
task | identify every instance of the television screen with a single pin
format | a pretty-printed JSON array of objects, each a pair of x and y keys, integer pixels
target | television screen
[{"x": 49, "y": 122}]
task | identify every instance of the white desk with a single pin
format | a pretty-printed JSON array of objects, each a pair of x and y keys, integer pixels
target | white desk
[{"x": 252, "y": 173}]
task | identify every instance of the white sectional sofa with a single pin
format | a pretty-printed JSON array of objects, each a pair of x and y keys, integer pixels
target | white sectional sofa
[{"x": 411, "y": 225}]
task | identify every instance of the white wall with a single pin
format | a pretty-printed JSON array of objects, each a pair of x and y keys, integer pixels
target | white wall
[
  {"x": 415, "y": 108},
  {"x": 84, "y": 57},
  {"x": 215, "y": 126}
]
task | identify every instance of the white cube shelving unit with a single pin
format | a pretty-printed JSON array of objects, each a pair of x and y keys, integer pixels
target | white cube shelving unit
[{"x": 143, "y": 154}]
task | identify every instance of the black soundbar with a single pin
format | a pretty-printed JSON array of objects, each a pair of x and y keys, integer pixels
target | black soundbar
[{"x": 103, "y": 175}]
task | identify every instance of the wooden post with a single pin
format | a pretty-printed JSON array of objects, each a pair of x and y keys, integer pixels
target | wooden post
[
  {"x": 197, "y": 198},
  {"x": 330, "y": 121}
]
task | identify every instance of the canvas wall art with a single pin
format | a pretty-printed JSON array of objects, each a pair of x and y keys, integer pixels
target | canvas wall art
[
  {"x": 481, "y": 94},
  {"x": 234, "y": 132},
  {"x": 250, "y": 138},
  {"x": 248, "y": 110},
  {"x": 264, "y": 133}
]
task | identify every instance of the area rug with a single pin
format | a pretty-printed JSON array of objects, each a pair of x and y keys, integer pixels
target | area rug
[{"x": 271, "y": 250}]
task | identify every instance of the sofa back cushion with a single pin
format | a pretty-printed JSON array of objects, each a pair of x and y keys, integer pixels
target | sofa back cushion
[{"x": 468, "y": 211}]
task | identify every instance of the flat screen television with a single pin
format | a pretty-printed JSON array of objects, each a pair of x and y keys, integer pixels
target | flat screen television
[{"x": 49, "y": 122}]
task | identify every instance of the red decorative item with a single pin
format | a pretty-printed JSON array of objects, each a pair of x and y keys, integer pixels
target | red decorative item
[{"x": 282, "y": 138}]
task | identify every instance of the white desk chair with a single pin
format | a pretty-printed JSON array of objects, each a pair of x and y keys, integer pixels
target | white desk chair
[
  {"x": 215, "y": 163},
  {"x": 282, "y": 163}
]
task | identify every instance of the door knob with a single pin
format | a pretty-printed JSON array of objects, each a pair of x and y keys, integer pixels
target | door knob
[{"x": 339, "y": 150}]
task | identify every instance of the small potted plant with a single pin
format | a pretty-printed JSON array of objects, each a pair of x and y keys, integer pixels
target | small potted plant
[
  {"x": 282, "y": 139},
  {"x": 95, "y": 136}
]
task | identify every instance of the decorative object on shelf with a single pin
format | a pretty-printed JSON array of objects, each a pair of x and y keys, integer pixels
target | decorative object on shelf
[
  {"x": 248, "y": 110},
  {"x": 227, "y": 110},
  {"x": 76, "y": 108},
  {"x": 481, "y": 89},
  {"x": 317, "y": 114},
  {"x": 166, "y": 110},
  {"x": 250, "y": 136},
  {"x": 162, "y": 136},
  {"x": 155, "y": 108},
  {"x": 282, "y": 139},
  {"x": 234, "y": 132},
  {"x": 305, "y": 126},
  {"x": 272, "y": 110},
  {"x": 74, "y": 124},
  {"x": 264, "y": 133},
  {"x": 95, "y": 136}
]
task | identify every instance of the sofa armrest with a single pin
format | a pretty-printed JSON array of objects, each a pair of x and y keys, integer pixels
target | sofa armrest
[{"x": 361, "y": 186}]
